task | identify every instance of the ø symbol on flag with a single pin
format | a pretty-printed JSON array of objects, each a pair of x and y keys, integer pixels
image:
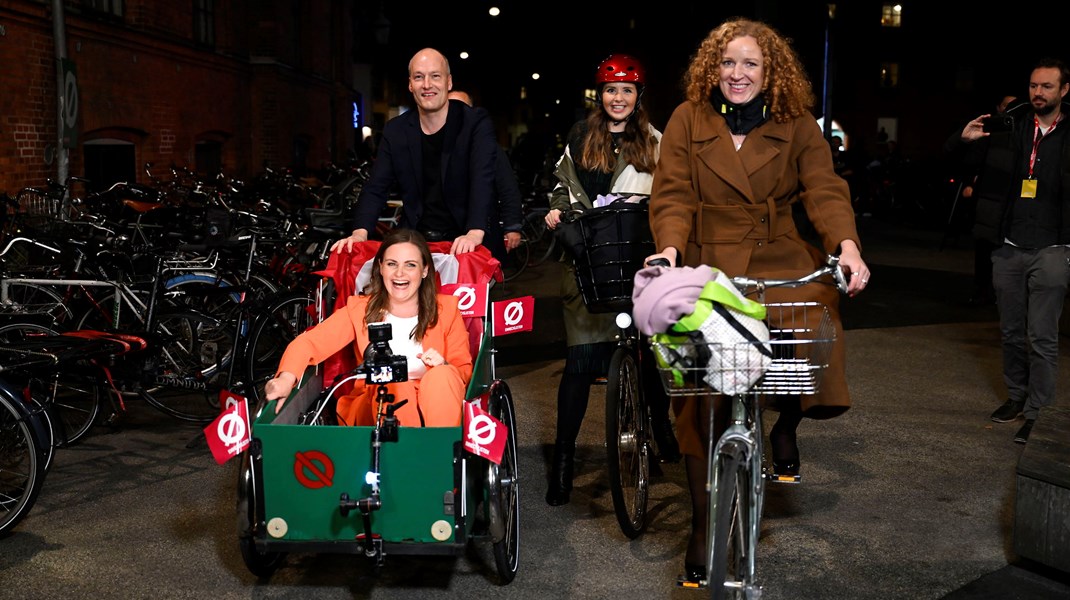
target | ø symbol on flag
[
  {"x": 481, "y": 430},
  {"x": 514, "y": 311},
  {"x": 313, "y": 469},
  {"x": 466, "y": 298},
  {"x": 231, "y": 429}
]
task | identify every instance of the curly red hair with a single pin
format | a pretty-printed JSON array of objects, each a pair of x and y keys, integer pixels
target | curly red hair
[{"x": 786, "y": 87}]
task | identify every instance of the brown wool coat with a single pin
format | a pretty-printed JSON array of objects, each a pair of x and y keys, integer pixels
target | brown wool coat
[{"x": 732, "y": 210}]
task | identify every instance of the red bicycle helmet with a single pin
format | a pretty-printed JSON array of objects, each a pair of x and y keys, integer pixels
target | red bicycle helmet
[{"x": 620, "y": 68}]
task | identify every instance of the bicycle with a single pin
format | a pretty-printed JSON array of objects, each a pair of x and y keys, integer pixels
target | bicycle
[
  {"x": 801, "y": 335},
  {"x": 610, "y": 244},
  {"x": 30, "y": 429},
  {"x": 22, "y": 458}
]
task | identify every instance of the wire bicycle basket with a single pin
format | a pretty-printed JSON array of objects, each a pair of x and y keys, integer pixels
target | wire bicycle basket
[
  {"x": 608, "y": 245},
  {"x": 801, "y": 335}
]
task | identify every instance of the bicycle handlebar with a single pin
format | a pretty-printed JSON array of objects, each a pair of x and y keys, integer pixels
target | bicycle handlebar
[
  {"x": 12, "y": 242},
  {"x": 832, "y": 267}
]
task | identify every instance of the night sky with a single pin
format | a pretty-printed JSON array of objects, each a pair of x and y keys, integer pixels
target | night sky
[{"x": 956, "y": 56}]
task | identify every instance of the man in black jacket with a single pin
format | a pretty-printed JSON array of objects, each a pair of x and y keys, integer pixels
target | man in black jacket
[
  {"x": 441, "y": 158},
  {"x": 1023, "y": 206}
]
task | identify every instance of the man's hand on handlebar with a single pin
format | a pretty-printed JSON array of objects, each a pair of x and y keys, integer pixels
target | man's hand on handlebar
[
  {"x": 359, "y": 235},
  {"x": 467, "y": 242}
]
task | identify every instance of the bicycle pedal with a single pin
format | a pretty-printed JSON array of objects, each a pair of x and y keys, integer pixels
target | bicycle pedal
[
  {"x": 683, "y": 582},
  {"x": 777, "y": 478}
]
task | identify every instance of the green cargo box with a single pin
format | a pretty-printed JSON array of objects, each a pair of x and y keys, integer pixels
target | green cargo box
[{"x": 306, "y": 469}]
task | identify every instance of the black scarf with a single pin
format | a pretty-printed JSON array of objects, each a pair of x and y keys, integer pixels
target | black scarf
[{"x": 741, "y": 118}]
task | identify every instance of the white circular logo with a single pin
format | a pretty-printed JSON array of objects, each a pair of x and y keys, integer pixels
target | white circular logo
[
  {"x": 514, "y": 311},
  {"x": 481, "y": 430},
  {"x": 466, "y": 298},
  {"x": 231, "y": 429}
]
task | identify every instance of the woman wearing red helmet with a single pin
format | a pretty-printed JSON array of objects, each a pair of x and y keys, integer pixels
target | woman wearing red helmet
[{"x": 612, "y": 151}]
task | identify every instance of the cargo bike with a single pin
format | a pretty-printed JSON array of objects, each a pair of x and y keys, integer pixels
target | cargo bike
[{"x": 308, "y": 485}]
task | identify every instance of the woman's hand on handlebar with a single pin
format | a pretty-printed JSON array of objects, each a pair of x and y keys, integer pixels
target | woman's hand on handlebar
[
  {"x": 857, "y": 271},
  {"x": 553, "y": 218},
  {"x": 668, "y": 254},
  {"x": 359, "y": 235},
  {"x": 279, "y": 388}
]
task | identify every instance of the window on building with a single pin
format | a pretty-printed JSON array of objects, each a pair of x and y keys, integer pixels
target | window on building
[
  {"x": 889, "y": 75},
  {"x": 204, "y": 22},
  {"x": 891, "y": 15},
  {"x": 108, "y": 161},
  {"x": 109, "y": 7},
  {"x": 208, "y": 157}
]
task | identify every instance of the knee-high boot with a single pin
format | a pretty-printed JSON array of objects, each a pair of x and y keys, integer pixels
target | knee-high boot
[
  {"x": 783, "y": 440},
  {"x": 695, "y": 558},
  {"x": 561, "y": 473}
]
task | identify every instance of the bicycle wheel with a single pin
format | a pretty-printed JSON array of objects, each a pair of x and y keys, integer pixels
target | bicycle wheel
[
  {"x": 250, "y": 521},
  {"x": 21, "y": 470},
  {"x": 504, "y": 490},
  {"x": 281, "y": 321},
  {"x": 627, "y": 450},
  {"x": 34, "y": 299},
  {"x": 540, "y": 238},
  {"x": 731, "y": 539},
  {"x": 74, "y": 400},
  {"x": 516, "y": 260},
  {"x": 193, "y": 356}
]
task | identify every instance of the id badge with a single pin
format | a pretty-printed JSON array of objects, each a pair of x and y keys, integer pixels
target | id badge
[{"x": 1029, "y": 188}]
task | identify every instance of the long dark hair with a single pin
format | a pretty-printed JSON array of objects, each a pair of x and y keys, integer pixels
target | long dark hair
[
  {"x": 637, "y": 144},
  {"x": 379, "y": 300}
]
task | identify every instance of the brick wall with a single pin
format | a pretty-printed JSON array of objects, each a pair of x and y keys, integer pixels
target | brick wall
[{"x": 144, "y": 81}]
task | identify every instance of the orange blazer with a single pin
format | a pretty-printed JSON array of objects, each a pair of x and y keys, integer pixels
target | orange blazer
[{"x": 346, "y": 328}]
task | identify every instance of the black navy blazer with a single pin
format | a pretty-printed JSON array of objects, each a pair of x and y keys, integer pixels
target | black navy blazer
[{"x": 468, "y": 163}]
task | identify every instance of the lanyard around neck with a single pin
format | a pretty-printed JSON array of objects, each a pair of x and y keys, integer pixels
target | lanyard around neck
[{"x": 1037, "y": 136}]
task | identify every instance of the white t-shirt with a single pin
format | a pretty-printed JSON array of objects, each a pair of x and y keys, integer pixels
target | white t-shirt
[{"x": 402, "y": 344}]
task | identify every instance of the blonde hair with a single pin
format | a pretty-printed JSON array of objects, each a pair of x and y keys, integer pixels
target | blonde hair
[{"x": 786, "y": 88}]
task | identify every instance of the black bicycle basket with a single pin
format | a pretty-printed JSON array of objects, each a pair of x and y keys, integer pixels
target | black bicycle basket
[{"x": 608, "y": 245}]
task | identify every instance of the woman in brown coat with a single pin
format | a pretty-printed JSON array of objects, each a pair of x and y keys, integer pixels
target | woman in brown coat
[{"x": 736, "y": 155}]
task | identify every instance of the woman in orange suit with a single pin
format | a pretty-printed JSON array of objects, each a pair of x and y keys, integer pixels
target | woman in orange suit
[{"x": 427, "y": 328}]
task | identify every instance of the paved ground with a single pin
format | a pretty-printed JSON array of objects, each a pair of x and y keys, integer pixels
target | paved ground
[{"x": 910, "y": 495}]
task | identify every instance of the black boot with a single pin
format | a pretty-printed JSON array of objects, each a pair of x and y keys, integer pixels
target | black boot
[
  {"x": 561, "y": 473},
  {"x": 785, "y": 445},
  {"x": 695, "y": 557}
]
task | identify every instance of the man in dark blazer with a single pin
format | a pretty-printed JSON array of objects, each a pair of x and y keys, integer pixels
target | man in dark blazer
[{"x": 441, "y": 158}]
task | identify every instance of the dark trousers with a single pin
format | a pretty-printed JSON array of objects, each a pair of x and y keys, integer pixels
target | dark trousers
[{"x": 1030, "y": 289}]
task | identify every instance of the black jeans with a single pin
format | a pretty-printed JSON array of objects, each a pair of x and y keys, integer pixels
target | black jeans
[{"x": 1030, "y": 289}]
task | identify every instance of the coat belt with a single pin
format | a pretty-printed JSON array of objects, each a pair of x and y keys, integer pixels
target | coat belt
[{"x": 723, "y": 224}]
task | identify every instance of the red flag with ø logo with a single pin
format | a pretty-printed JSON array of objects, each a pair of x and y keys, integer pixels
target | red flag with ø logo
[
  {"x": 514, "y": 315},
  {"x": 230, "y": 433},
  {"x": 484, "y": 435}
]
